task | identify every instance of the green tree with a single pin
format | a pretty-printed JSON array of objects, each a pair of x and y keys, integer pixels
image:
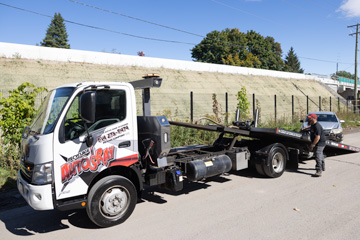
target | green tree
[
  {"x": 266, "y": 50},
  {"x": 56, "y": 35},
  {"x": 292, "y": 63},
  {"x": 233, "y": 47},
  {"x": 250, "y": 61},
  {"x": 217, "y": 46},
  {"x": 344, "y": 74}
]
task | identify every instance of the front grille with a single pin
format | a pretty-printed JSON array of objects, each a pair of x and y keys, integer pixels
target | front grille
[
  {"x": 327, "y": 132},
  {"x": 26, "y": 170}
]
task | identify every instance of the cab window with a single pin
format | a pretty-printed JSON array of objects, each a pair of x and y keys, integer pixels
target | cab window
[{"x": 110, "y": 109}]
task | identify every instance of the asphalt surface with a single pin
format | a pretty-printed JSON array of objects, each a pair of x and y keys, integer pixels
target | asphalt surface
[{"x": 242, "y": 205}]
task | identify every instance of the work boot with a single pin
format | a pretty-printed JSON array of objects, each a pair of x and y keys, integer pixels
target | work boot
[
  {"x": 318, "y": 173},
  {"x": 323, "y": 166}
]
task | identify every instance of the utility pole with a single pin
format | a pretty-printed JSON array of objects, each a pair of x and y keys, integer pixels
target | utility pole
[
  {"x": 356, "y": 50},
  {"x": 337, "y": 68}
]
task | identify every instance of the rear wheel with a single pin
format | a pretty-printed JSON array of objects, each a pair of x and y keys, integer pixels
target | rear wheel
[
  {"x": 275, "y": 164},
  {"x": 111, "y": 201}
]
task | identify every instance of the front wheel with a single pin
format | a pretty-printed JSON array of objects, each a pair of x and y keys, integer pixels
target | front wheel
[{"x": 111, "y": 201}]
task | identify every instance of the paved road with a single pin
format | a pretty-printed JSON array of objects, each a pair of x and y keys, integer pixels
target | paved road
[{"x": 238, "y": 206}]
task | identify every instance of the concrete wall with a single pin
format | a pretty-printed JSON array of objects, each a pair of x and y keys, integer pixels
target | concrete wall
[
  {"x": 10, "y": 50},
  {"x": 52, "y": 67}
]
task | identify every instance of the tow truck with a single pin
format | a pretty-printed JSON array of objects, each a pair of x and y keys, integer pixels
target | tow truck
[{"x": 87, "y": 148}]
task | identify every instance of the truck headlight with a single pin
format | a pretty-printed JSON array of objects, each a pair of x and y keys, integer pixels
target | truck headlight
[
  {"x": 42, "y": 174},
  {"x": 336, "y": 130}
]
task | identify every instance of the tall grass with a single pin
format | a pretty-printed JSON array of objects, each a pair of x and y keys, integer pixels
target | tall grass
[
  {"x": 183, "y": 136},
  {"x": 284, "y": 123},
  {"x": 351, "y": 119}
]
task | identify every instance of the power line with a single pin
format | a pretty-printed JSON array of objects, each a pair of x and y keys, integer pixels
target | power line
[
  {"x": 132, "y": 35},
  {"x": 183, "y": 31},
  {"x": 318, "y": 6},
  {"x": 306, "y": 10},
  {"x": 349, "y": 67},
  {"x": 126, "y": 34},
  {"x": 296, "y": 6},
  {"x": 237, "y": 9},
  {"x": 149, "y": 38},
  {"x": 172, "y": 28},
  {"x": 99, "y": 28},
  {"x": 331, "y": 3},
  {"x": 179, "y": 30},
  {"x": 248, "y": 13},
  {"x": 137, "y": 19},
  {"x": 314, "y": 59}
]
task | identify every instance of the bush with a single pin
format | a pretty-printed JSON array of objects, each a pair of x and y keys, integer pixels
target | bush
[
  {"x": 183, "y": 136},
  {"x": 16, "y": 112}
]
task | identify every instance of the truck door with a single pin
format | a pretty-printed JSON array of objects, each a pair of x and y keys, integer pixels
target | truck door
[{"x": 115, "y": 141}]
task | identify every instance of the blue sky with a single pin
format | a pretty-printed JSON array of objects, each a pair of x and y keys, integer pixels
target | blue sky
[{"x": 316, "y": 29}]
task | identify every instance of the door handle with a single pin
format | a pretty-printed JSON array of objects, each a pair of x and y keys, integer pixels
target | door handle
[{"x": 124, "y": 144}]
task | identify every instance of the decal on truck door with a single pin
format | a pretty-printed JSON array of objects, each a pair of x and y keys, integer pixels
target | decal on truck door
[
  {"x": 113, "y": 134},
  {"x": 87, "y": 160},
  {"x": 91, "y": 160},
  {"x": 76, "y": 165}
]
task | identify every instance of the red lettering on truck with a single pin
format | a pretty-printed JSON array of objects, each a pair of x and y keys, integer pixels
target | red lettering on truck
[{"x": 90, "y": 163}]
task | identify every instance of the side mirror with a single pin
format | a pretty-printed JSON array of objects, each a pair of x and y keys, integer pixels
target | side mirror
[
  {"x": 87, "y": 106},
  {"x": 342, "y": 121},
  {"x": 89, "y": 140}
]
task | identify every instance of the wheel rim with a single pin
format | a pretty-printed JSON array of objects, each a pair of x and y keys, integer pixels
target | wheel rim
[
  {"x": 114, "y": 202},
  {"x": 278, "y": 162}
]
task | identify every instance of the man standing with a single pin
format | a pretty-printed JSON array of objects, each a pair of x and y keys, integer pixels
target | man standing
[{"x": 318, "y": 142}]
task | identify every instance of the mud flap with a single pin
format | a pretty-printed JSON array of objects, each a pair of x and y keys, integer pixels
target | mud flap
[{"x": 293, "y": 162}]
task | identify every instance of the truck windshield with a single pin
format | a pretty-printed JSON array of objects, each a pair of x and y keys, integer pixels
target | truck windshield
[{"x": 50, "y": 110}]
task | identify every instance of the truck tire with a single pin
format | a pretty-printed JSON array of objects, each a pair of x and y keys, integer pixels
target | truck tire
[
  {"x": 111, "y": 201},
  {"x": 275, "y": 164}
]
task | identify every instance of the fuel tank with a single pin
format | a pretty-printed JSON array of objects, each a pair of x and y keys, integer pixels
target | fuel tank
[{"x": 200, "y": 169}]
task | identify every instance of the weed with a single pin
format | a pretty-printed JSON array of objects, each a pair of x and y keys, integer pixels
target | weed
[
  {"x": 284, "y": 123},
  {"x": 7, "y": 179},
  {"x": 217, "y": 109},
  {"x": 16, "y": 55},
  {"x": 243, "y": 103}
]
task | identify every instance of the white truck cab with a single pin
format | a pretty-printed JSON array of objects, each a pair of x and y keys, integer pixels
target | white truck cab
[{"x": 61, "y": 151}]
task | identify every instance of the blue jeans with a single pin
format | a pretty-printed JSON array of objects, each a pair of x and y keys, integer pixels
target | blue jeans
[{"x": 319, "y": 157}]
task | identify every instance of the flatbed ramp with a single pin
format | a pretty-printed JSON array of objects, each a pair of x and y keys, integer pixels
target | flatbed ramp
[
  {"x": 281, "y": 135},
  {"x": 273, "y": 135}
]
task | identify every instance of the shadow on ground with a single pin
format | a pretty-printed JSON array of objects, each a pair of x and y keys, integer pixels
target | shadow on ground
[
  {"x": 25, "y": 221},
  {"x": 20, "y": 219}
]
